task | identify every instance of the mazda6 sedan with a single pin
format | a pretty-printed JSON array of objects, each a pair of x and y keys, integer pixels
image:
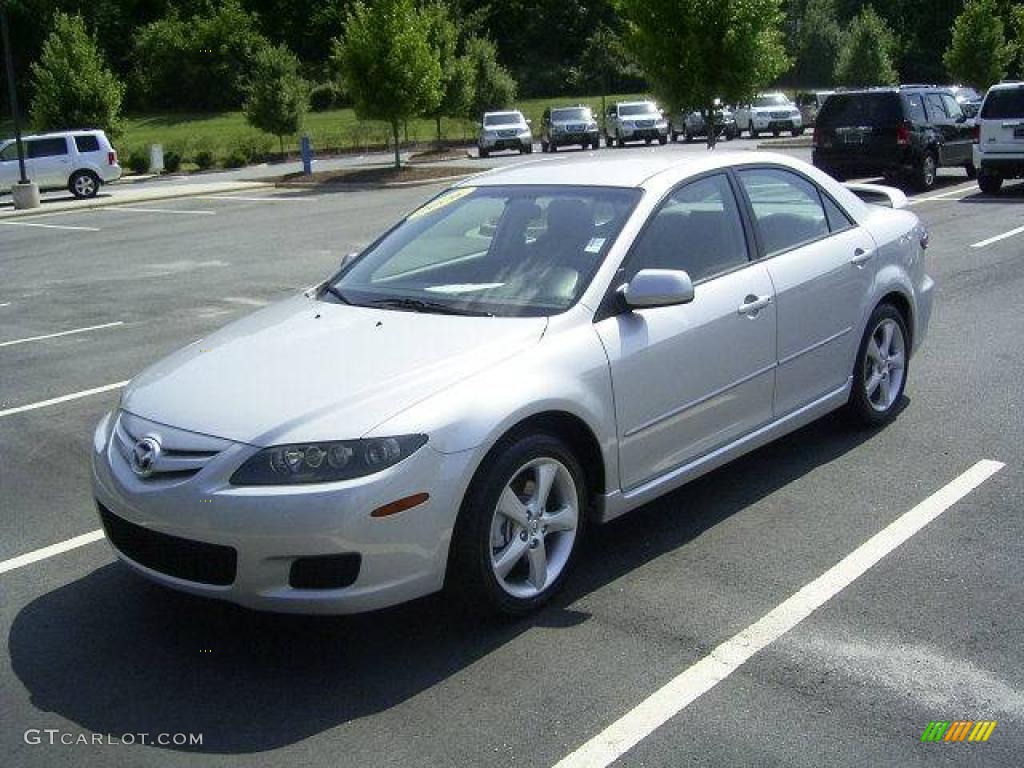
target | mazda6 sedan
[{"x": 535, "y": 350}]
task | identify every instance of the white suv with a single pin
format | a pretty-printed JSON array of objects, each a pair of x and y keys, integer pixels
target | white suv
[
  {"x": 79, "y": 161},
  {"x": 999, "y": 136},
  {"x": 770, "y": 113},
  {"x": 504, "y": 130}
]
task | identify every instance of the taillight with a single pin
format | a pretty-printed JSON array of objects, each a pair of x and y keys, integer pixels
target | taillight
[
  {"x": 976, "y": 133},
  {"x": 903, "y": 134},
  {"x": 111, "y": 157}
]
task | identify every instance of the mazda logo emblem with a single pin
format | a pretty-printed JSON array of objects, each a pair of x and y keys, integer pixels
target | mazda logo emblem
[{"x": 144, "y": 456}]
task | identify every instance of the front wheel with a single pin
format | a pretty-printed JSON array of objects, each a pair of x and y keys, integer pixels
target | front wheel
[
  {"x": 990, "y": 183},
  {"x": 663, "y": 140},
  {"x": 519, "y": 527},
  {"x": 484, "y": 152},
  {"x": 972, "y": 172},
  {"x": 84, "y": 184},
  {"x": 880, "y": 373},
  {"x": 797, "y": 132}
]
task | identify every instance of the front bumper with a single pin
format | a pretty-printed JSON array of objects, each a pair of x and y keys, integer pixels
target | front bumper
[
  {"x": 269, "y": 528},
  {"x": 777, "y": 124},
  {"x": 571, "y": 138},
  {"x": 644, "y": 134},
  {"x": 497, "y": 144}
]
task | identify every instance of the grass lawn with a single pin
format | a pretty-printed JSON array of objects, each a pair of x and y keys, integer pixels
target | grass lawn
[{"x": 226, "y": 134}]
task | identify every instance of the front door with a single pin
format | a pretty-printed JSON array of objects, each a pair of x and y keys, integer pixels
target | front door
[{"x": 692, "y": 377}]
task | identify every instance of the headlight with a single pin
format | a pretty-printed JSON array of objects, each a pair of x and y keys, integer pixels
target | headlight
[{"x": 325, "y": 462}]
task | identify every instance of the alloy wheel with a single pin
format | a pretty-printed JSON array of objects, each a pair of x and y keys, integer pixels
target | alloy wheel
[{"x": 884, "y": 365}]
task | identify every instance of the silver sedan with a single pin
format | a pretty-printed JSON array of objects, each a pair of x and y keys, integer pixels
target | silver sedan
[{"x": 535, "y": 350}]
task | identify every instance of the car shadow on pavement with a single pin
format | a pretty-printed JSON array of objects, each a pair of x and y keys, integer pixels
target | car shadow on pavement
[{"x": 116, "y": 654}]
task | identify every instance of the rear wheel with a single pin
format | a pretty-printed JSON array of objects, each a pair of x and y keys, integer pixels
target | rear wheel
[
  {"x": 620, "y": 143},
  {"x": 972, "y": 172},
  {"x": 990, "y": 183},
  {"x": 544, "y": 146},
  {"x": 926, "y": 171},
  {"x": 519, "y": 527},
  {"x": 663, "y": 140},
  {"x": 84, "y": 184},
  {"x": 880, "y": 373},
  {"x": 776, "y": 134},
  {"x": 753, "y": 131}
]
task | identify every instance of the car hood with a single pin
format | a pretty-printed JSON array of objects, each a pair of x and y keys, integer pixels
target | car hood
[{"x": 310, "y": 370}]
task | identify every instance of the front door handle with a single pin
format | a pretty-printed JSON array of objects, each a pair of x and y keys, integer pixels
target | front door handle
[
  {"x": 753, "y": 304},
  {"x": 861, "y": 257}
]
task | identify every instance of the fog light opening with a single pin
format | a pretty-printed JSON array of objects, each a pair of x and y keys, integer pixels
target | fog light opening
[{"x": 401, "y": 505}]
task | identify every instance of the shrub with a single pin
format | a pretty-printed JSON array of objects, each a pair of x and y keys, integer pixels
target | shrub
[
  {"x": 138, "y": 160},
  {"x": 172, "y": 161},
  {"x": 323, "y": 97},
  {"x": 73, "y": 88},
  {"x": 204, "y": 159},
  {"x": 235, "y": 158}
]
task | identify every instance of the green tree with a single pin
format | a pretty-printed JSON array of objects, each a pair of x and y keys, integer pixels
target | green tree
[
  {"x": 277, "y": 96},
  {"x": 199, "y": 62},
  {"x": 866, "y": 55},
  {"x": 978, "y": 53},
  {"x": 493, "y": 86},
  {"x": 1016, "y": 41},
  {"x": 693, "y": 51},
  {"x": 73, "y": 88},
  {"x": 816, "y": 40},
  {"x": 387, "y": 64},
  {"x": 606, "y": 62},
  {"x": 456, "y": 72}
]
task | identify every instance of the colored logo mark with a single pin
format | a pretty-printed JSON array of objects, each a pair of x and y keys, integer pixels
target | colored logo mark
[{"x": 958, "y": 730}]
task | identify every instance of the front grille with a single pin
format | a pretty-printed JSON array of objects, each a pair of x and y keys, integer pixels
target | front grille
[
  {"x": 644, "y": 123},
  {"x": 182, "y": 453},
  {"x": 576, "y": 128},
  {"x": 779, "y": 115},
  {"x": 171, "y": 555},
  {"x": 506, "y": 134}
]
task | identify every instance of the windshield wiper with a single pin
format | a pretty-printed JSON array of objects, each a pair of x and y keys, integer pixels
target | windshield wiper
[{"x": 419, "y": 305}]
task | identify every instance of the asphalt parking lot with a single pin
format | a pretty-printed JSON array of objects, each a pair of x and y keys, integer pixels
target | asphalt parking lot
[{"x": 933, "y": 630}]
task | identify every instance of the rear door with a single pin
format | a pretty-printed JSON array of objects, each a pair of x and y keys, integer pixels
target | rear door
[
  {"x": 944, "y": 127},
  {"x": 51, "y": 162},
  {"x": 961, "y": 141},
  {"x": 822, "y": 266},
  {"x": 1002, "y": 122}
]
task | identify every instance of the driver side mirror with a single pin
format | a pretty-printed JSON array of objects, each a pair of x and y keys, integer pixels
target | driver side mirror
[{"x": 657, "y": 288}]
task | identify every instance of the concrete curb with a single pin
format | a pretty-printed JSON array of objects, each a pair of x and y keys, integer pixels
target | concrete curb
[
  {"x": 801, "y": 141},
  {"x": 137, "y": 196},
  {"x": 355, "y": 187}
]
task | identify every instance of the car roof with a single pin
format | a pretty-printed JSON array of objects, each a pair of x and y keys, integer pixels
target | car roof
[
  {"x": 604, "y": 171},
  {"x": 54, "y": 134},
  {"x": 1007, "y": 85},
  {"x": 503, "y": 112}
]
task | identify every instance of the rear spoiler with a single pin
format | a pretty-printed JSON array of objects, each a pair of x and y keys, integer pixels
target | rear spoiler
[{"x": 877, "y": 194}]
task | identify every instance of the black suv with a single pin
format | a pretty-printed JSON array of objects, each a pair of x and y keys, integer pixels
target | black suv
[{"x": 903, "y": 133}]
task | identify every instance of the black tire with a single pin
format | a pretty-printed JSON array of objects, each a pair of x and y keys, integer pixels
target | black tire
[
  {"x": 620, "y": 143},
  {"x": 470, "y": 576},
  {"x": 483, "y": 152},
  {"x": 688, "y": 137},
  {"x": 544, "y": 146},
  {"x": 609, "y": 142},
  {"x": 753, "y": 132},
  {"x": 859, "y": 407},
  {"x": 674, "y": 136},
  {"x": 84, "y": 184},
  {"x": 528, "y": 149},
  {"x": 972, "y": 172},
  {"x": 554, "y": 147},
  {"x": 990, "y": 183},
  {"x": 596, "y": 144},
  {"x": 776, "y": 134},
  {"x": 647, "y": 142},
  {"x": 663, "y": 140},
  {"x": 926, "y": 172},
  {"x": 797, "y": 132}
]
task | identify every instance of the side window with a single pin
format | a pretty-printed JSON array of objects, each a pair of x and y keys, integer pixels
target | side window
[
  {"x": 698, "y": 229},
  {"x": 952, "y": 108},
  {"x": 87, "y": 143},
  {"x": 787, "y": 208},
  {"x": 935, "y": 109},
  {"x": 47, "y": 147},
  {"x": 837, "y": 218},
  {"x": 915, "y": 108}
]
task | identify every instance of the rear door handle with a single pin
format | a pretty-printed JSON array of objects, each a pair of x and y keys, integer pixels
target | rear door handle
[
  {"x": 861, "y": 257},
  {"x": 753, "y": 304}
]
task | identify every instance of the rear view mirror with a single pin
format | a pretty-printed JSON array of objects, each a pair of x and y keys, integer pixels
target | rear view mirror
[{"x": 658, "y": 288}]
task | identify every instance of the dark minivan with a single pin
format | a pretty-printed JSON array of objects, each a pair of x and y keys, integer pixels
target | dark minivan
[{"x": 903, "y": 133}]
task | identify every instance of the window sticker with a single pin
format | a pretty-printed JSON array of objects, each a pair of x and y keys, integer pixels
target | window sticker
[
  {"x": 462, "y": 287},
  {"x": 441, "y": 201},
  {"x": 594, "y": 246}
]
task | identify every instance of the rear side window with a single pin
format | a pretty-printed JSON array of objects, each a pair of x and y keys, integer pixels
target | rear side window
[
  {"x": 952, "y": 108},
  {"x": 936, "y": 111},
  {"x": 47, "y": 147},
  {"x": 914, "y": 105},
  {"x": 853, "y": 109},
  {"x": 837, "y": 218},
  {"x": 1003, "y": 104},
  {"x": 87, "y": 143},
  {"x": 787, "y": 208}
]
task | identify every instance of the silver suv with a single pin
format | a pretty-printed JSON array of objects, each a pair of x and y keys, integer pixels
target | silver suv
[
  {"x": 569, "y": 125},
  {"x": 635, "y": 121},
  {"x": 999, "y": 136},
  {"x": 504, "y": 130},
  {"x": 79, "y": 161},
  {"x": 770, "y": 113}
]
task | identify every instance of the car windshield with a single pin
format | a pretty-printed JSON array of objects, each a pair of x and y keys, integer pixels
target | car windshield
[
  {"x": 576, "y": 114},
  {"x": 647, "y": 108},
  {"x": 771, "y": 100},
  {"x": 502, "y": 250},
  {"x": 505, "y": 118},
  {"x": 1003, "y": 103},
  {"x": 852, "y": 109}
]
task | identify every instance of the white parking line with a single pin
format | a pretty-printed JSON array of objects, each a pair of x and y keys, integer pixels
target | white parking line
[
  {"x": 5, "y": 304},
  {"x": 62, "y": 333},
  {"x": 997, "y": 238},
  {"x": 49, "y": 226},
  {"x": 62, "y": 399},
  {"x": 665, "y": 703},
  {"x": 282, "y": 199},
  {"x": 185, "y": 212},
  {"x": 54, "y": 549},
  {"x": 943, "y": 195}
]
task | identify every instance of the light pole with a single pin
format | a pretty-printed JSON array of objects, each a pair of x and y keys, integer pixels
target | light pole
[{"x": 25, "y": 193}]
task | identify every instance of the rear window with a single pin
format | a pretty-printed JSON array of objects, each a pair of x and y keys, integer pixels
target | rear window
[
  {"x": 87, "y": 143},
  {"x": 860, "y": 109},
  {"x": 1003, "y": 103}
]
